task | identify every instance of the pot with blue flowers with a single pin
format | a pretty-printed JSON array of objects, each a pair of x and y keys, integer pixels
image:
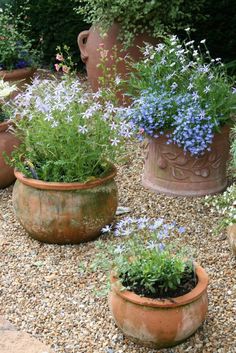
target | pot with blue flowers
[
  {"x": 158, "y": 295},
  {"x": 183, "y": 103},
  {"x": 65, "y": 190},
  {"x": 18, "y": 58},
  {"x": 7, "y": 140}
]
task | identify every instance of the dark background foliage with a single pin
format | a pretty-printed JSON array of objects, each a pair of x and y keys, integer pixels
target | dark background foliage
[
  {"x": 219, "y": 29},
  {"x": 55, "y": 22}
]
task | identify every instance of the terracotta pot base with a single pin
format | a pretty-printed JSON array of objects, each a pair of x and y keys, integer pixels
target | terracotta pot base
[
  {"x": 7, "y": 143},
  {"x": 169, "y": 170},
  {"x": 159, "y": 323},
  {"x": 64, "y": 213}
]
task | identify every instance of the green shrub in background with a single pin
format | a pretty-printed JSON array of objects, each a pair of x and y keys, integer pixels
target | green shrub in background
[
  {"x": 53, "y": 23},
  {"x": 219, "y": 29}
]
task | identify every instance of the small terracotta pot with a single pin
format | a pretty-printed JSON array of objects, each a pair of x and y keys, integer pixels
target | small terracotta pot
[
  {"x": 168, "y": 170},
  {"x": 231, "y": 235},
  {"x": 7, "y": 143},
  {"x": 65, "y": 212},
  {"x": 159, "y": 323},
  {"x": 20, "y": 77},
  {"x": 90, "y": 42}
]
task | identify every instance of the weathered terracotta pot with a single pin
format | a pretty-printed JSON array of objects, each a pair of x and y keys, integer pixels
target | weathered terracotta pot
[
  {"x": 168, "y": 170},
  {"x": 231, "y": 235},
  {"x": 65, "y": 212},
  {"x": 91, "y": 41},
  {"x": 159, "y": 323},
  {"x": 7, "y": 143},
  {"x": 20, "y": 77}
]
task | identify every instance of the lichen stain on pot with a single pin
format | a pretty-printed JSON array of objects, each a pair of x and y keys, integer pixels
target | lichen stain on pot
[{"x": 65, "y": 216}]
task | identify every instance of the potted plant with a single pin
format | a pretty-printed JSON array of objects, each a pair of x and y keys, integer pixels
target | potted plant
[
  {"x": 18, "y": 59},
  {"x": 126, "y": 25},
  {"x": 65, "y": 190},
  {"x": 183, "y": 103},
  {"x": 7, "y": 140},
  {"x": 225, "y": 204},
  {"x": 158, "y": 295}
]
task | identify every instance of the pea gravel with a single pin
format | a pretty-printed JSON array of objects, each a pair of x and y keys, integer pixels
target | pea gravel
[{"x": 44, "y": 292}]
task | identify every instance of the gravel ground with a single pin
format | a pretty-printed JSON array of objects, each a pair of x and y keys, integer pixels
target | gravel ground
[{"x": 44, "y": 293}]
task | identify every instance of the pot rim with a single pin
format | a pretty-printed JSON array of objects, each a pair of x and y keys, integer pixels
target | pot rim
[
  {"x": 187, "y": 298},
  {"x": 46, "y": 185},
  {"x": 27, "y": 69}
]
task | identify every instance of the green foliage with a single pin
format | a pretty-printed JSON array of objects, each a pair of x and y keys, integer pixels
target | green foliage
[
  {"x": 218, "y": 27},
  {"x": 5, "y": 90},
  {"x": 16, "y": 50},
  {"x": 153, "y": 17},
  {"x": 225, "y": 205},
  {"x": 53, "y": 23},
  {"x": 67, "y": 135},
  {"x": 144, "y": 255}
]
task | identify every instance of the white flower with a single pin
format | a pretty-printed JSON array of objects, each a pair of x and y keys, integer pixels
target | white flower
[
  {"x": 115, "y": 142},
  {"x": 117, "y": 80},
  {"x": 83, "y": 129},
  {"x": 207, "y": 89},
  {"x": 203, "y": 41},
  {"x": 106, "y": 229}
]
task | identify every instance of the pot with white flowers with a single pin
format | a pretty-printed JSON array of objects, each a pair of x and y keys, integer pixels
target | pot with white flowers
[
  {"x": 18, "y": 58},
  {"x": 7, "y": 140},
  {"x": 122, "y": 27},
  {"x": 158, "y": 296},
  {"x": 184, "y": 104},
  {"x": 65, "y": 190}
]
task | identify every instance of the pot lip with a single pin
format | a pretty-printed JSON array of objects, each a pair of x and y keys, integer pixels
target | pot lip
[
  {"x": 27, "y": 69},
  {"x": 224, "y": 130},
  {"x": 45, "y": 185},
  {"x": 187, "y": 298}
]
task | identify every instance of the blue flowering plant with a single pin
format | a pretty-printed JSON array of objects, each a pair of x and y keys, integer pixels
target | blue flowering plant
[
  {"x": 179, "y": 91},
  {"x": 146, "y": 259},
  {"x": 67, "y": 134},
  {"x": 16, "y": 49}
]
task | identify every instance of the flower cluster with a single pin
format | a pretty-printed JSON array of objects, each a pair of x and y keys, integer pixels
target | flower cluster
[
  {"x": 68, "y": 135},
  {"x": 145, "y": 255},
  {"x": 16, "y": 49},
  {"x": 64, "y": 60},
  {"x": 5, "y": 90},
  {"x": 225, "y": 205},
  {"x": 179, "y": 93}
]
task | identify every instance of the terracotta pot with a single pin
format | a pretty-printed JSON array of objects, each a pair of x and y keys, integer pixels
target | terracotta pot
[
  {"x": 169, "y": 170},
  {"x": 7, "y": 143},
  {"x": 64, "y": 212},
  {"x": 91, "y": 41},
  {"x": 159, "y": 323},
  {"x": 231, "y": 235},
  {"x": 20, "y": 77}
]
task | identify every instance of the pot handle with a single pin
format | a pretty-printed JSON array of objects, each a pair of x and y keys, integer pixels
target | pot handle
[{"x": 82, "y": 40}]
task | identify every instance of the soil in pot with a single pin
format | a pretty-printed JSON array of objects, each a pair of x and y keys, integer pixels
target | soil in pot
[{"x": 187, "y": 283}]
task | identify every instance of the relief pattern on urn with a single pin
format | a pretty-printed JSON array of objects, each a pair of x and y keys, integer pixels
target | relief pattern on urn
[{"x": 170, "y": 170}]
